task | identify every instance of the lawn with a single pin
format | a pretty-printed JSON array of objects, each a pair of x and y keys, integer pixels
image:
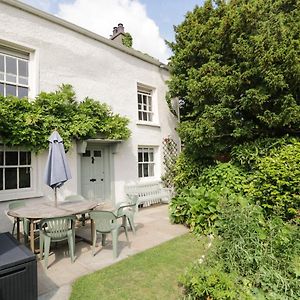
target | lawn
[{"x": 152, "y": 274}]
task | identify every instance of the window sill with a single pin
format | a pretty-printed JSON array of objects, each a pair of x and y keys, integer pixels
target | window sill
[
  {"x": 19, "y": 194},
  {"x": 148, "y": 124}
]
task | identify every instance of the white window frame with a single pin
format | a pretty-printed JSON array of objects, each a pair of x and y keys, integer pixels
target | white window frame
[
  {"x": 147, "y": 113},
  {"x": 145, "y": 105},
  {"x": 150, "y": 163},
  {"x": 35, "y": 185},
  {"x": 19, "y": 56}
]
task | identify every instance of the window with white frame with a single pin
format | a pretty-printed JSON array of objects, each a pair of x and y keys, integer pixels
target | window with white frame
[
  {"x": 15, "y": 170},
  {"x": 145, "y": 105},
  {"x": 145, "y": 162},
  {"x": 13, "y": 73}
]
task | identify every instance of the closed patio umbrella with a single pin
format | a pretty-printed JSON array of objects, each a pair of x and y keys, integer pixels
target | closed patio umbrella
[{"x": 57, "y": 170}]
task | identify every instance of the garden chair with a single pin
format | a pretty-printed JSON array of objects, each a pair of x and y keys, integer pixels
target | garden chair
[
  {"x": 56, "y": 230},
  {"x": 24, "y": 221},
  {"x": 127, "y": 210},
  {"x": 76, "y": 197},
  {"x": 106, "y": 222}
]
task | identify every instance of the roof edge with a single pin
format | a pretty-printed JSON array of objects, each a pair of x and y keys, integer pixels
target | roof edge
[{"x": 130, "y": 51}]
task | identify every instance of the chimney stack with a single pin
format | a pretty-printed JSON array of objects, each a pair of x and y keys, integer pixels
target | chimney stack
[{"x": 118, "y": 33}]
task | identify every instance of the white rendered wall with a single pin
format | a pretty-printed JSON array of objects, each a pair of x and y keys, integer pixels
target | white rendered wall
[{"x": 60, "y": 55}]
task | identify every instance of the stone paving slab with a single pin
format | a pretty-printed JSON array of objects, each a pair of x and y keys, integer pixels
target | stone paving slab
[{"x": 153, "y": 228}]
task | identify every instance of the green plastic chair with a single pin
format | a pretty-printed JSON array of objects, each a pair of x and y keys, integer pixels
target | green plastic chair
[
  {"x": 25, "y": 222},
  {"x": 106, "y": 222},
  {"x": 56, "y": 230},
  {"x": 77, "y": 197},
  {"x": 127, "y": 210}
]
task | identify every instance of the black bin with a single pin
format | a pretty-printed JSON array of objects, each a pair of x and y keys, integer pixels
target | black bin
[{"x": 18, "y": 270}]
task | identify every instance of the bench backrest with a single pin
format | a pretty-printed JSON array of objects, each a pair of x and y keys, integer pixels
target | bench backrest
[{"x": 142, "y": 189}]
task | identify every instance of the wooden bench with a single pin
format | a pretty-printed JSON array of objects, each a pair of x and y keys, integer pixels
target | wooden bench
[{"x": 149, "y": 193}]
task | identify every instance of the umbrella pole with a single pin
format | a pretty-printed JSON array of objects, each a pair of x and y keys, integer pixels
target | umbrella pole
[{"x": 55, "y": 196}]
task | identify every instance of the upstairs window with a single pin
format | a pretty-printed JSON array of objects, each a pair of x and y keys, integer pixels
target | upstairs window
[
  {"x": 145, "y": 162},
  {"x": 145, "y": 105},
  {"x": 13, "y": 73}
]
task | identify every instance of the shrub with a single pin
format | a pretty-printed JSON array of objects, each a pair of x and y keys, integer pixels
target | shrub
[
  {"x": 275, "y": 183},
  {"x": 249, "y": 154},
  {"x": 197, "y": 207},
  {"x": 224, "y": 175},
  {"x": 259, "y": 256},
  {"x": 203, "y": 281},
  {"x": 186, "y": 171}
]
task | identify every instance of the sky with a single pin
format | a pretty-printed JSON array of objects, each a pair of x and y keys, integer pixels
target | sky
[{"x": 150, "y": 23}]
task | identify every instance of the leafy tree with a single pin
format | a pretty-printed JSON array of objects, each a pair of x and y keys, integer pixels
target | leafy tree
[{"x": 236, "y": 69}]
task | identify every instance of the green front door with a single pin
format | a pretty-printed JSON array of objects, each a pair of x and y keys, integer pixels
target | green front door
[{"x": 92, "y": 174}]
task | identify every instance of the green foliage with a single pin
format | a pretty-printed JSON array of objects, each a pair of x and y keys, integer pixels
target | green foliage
[
  {"x": 259, "y": 256},
  {"x": 127, "y": 40},
  {"x": 224, "y": 176},
  {"x": 249, "y": 154},
  {"x": 29, "y": 123},
  {"x": 236, "y": 69},
  {"x": 202, "y": 282},
  {"x": 275, "y": 183},
  {"x": 197, "y": 208},
  {"x": 186, "y": 171}
]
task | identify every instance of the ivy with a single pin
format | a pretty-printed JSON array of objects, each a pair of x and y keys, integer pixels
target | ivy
[{"x": 28, "y": 123}]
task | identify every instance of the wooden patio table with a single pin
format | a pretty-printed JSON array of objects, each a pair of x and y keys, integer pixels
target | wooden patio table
[{"x": 44, "y": 210}]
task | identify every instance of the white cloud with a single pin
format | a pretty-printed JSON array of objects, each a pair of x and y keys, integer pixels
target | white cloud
[{"x": 100, "y": 16}]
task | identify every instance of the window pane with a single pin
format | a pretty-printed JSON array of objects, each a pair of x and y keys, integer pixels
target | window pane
[
  {"x": 11, "y": 65},
  {"x": 11, "y": 90},
  {"x": 140, "y": 170},
  {"x": 22, "y": 92},
  {"x": 149, "y": 117},
  {"x": 151, "y": 158},
  {"x": 140, "y": 157},
  {"x": 1, "y": 158},
  {"x": 140, "y": 115},
  {"x": 23, "y": 72},
  {"x": 23, "y": 68},
  {"x": 1, "y": 179},
  {"x": 144, "y": 99},
  {"x": 1, "y": 67},
  {"x": 10, "y": 178},
  {"x": 139, "y": 98},
  {"x": 145, "y": 169},
  {"x": 11, "y": 158},
  {"x": 87, "y": 153},
  {"x": 144, "y": 116},
  {"x": 97, "y": 153},
  {"x": 151, "y": 169},
  {"x": 2, "y": 89},
  {"x": 146, "y": 156},
  {"x": 11, "y": 69},
  {"x": 25, "y": 158},
  {"x": 24, "y": 178}
]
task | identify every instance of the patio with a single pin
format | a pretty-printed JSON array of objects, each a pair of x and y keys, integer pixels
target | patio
[{"x": 153, "y": 228}]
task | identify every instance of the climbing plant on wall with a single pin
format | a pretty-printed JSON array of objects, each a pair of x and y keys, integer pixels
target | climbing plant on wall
[{"x": 28, "y": 123}]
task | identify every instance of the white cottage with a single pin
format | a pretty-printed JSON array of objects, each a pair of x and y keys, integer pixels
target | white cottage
[{"x": 39, "y": 52}]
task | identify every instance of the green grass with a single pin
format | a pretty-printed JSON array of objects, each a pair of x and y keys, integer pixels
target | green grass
[{"x": 152, "y": 274}]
